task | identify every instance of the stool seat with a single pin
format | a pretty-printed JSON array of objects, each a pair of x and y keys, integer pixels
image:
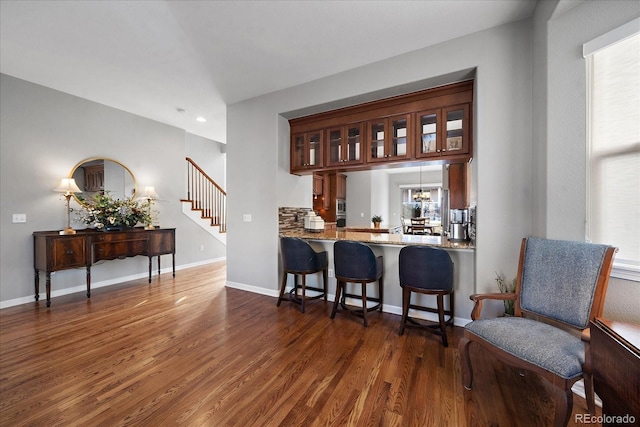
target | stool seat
[
  {"x": 300, "y": 259},
  {"x": 426, "y": 270},
  {"x": 355, "y": 262}
]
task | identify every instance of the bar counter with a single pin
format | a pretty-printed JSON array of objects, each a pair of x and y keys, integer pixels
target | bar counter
[
  {"x": 380, "y": 238},
  {"x": 389, "y": 246}
]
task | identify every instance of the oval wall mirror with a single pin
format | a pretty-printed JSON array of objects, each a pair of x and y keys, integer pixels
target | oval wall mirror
[{"x": 99, "y": 175}]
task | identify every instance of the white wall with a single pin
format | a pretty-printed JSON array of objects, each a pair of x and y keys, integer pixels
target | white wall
[
  {"x": 43, "y": 134},
  {"x": 560, "y": 126},
  {"x": 258, "y": 146}
]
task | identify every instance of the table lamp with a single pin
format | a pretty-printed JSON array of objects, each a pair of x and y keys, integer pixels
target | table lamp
[
  {"x": 68, "y": 187},
  {"x": 150, "y": 195}
]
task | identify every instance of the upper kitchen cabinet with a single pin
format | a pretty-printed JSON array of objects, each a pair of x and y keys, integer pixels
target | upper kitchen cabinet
[
  {"x": 345, "y": 145},
  {"x": 306, "y": 151},
  {"x": 443, "y": 132},
  {"x": 433, "y": 125},
  {"x": 389, "y": 139}
]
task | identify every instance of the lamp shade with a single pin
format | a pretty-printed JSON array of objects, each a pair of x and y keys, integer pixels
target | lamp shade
[
  {"x": 150, "y": 192},
  {"x": 68, "y": 186}
]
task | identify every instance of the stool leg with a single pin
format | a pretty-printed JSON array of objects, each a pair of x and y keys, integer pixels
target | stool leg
[
  {"x": 381, "y": 292},
  {"x": 364, "y": 303},
  {"x": 443, "y": 331},
  {"x": 284, "y": 284},
  {"x": 304, "y": 292},
  {"x": 406, "y": 298},
  {"x": 325, "y": 282},
  {"x": 336, "y": 300}
]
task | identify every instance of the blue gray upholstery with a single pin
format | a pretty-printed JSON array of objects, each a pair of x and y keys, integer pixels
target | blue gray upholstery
[
  {"x": 536, "y": 342},
  {"x": 568, "y": 271}
]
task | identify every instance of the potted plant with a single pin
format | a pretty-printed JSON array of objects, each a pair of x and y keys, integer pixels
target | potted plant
[
  {"x": 376, "y": 219},
  {"x": 506, "y": 286}
]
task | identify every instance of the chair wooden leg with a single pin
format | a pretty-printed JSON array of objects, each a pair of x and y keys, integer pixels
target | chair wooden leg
[
  {"x": 589, "y": 393},
  {"x": 364, "y": 303},
  {"x": 406, "y": 299},
  {"x": 284, "y": 285},
  {"x": 465, "y": 362},
  {"x": 336, "y": 300},
  {"x": 563, "y": 400}
]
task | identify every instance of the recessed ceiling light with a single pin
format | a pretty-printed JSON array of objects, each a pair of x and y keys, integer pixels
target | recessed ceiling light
[
  {"x": 180, "y": 110},
  {"x": 201, "y": 119}
]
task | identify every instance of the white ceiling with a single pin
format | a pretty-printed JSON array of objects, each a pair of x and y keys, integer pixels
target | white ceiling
[{"x": 152, "y": 57}]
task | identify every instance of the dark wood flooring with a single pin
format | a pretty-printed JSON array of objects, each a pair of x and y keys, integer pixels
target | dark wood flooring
[{"x": 190, "y": 352}]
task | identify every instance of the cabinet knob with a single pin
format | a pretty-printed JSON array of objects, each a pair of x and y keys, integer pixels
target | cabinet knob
[{"x": 69, "y": 252}]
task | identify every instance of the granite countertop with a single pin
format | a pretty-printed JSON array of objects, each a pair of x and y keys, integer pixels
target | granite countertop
[{"x": 380, "y": 238}]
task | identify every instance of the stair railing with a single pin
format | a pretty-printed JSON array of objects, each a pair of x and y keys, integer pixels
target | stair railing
[{"x": 207, "y": 196}]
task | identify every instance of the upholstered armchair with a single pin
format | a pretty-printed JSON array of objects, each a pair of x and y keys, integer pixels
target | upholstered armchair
[{"x": 561, "y": 287}]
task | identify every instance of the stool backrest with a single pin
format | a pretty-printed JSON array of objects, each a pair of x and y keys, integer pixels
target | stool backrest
[
  {"x": 354, "y": 260},
  {"x": 298, "y": 255},
  {"x": 425, "y": 267}
]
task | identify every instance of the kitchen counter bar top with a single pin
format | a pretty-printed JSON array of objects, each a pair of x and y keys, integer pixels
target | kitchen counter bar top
[{"x": 380, "y": 238}]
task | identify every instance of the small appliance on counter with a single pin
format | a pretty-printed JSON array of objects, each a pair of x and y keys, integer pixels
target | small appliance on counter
[
  {"x": 458, "y": 222},
  {"x": 313, "y": 222}
]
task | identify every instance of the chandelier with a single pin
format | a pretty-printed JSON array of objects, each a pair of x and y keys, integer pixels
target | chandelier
[{"x": 422, "y": 195}]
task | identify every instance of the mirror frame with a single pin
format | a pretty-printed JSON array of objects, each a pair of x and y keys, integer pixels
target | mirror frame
[{"x": 91, "y": 159}]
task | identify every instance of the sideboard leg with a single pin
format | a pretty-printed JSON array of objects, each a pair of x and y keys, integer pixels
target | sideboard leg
[
  {"x": 173, "y": 262},
  {"x": 48, "y": 289},
  {"x": 158, "y": 265},
  {"x": 37, "y": 282},
  {"x": 150, "y": 267}
]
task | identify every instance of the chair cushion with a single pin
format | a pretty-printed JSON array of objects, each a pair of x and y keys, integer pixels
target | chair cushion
[{"x": 536, "y": 342}]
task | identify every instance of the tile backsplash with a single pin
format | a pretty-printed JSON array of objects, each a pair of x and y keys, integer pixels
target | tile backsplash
[{"x": 291, "y": 218}]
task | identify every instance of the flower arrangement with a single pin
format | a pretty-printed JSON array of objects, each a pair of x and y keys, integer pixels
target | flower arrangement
[
  {"x": 376, "y": 218},
  {"x": 104, "y": 212}
]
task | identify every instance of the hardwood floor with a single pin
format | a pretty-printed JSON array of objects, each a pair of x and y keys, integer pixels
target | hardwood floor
[{"x": 188, "y": 351}]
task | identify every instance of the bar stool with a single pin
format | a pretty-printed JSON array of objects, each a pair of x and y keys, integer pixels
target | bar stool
[
  {"x": 356, "y": 263},
  {"x": 300, "y": 259},
  {"x": 426, "y": 270}
]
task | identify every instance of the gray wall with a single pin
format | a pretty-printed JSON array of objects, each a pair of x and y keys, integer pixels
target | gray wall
[
  {"x": 528, "y": 172},
  {"x": 258, "y": 146},
  {"x": 560, "y": 125},
  {"x": 43, "y": 134}
]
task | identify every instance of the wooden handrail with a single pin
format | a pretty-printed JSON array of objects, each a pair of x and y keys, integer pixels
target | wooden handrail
[{"x": 206, "y": 195}]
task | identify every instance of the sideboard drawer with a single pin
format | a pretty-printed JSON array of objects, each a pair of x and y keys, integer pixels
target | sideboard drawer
[{"x": 119, "y": 249}]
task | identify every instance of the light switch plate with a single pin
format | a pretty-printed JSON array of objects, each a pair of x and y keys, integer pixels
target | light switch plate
[{"x": 18, "y": 218}]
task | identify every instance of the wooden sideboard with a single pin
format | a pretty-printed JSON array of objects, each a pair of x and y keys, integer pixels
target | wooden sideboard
[
  {"x": 54, "y": 252},
  {"x": 615, "y": 363}
]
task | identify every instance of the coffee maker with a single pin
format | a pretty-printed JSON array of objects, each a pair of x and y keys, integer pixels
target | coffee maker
[{"x": 458, "y": 222}]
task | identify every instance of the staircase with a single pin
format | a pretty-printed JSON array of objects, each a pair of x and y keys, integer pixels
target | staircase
[{"x": 206, "y": 202}]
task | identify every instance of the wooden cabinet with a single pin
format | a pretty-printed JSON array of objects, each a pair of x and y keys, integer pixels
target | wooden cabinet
[
  {"x": 318, "y": 182},
  {"x": 94, "y": 178},
  {"x": 389, "y": 139},
  {"x": 341, "y": 186},
  {"x": 458, "y": 185},
  {"x": 345, "y": 145},
  {"x": 306, "y": 151},
  {"x": 54, "y": 252},
  {"x": 443, "y": 132}
]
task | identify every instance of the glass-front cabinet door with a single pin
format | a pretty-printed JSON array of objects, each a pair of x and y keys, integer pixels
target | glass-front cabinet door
[
  {"x": 306, "y": 150},
  {"x": 429, "y": 144},
  {"x": 389, "y": 139},
  {"x": 345, "y": 145},
  {"x": 456, "y": 130}
]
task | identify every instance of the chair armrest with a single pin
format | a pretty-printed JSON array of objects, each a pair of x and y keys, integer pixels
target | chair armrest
[
  {"x": 476, "y": 313},
  {"x": 586, "y": 335}
]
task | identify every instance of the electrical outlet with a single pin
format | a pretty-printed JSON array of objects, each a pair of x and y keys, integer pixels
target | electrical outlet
[
  {"x": 331, "y": 274},
  {"x": 201, "y": 248},
  {"x": 18, "y": 218},
  {"x": 246, "y": 217}
]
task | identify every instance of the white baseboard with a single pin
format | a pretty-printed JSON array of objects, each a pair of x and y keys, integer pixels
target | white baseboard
[{"x": 101, "y": 284}]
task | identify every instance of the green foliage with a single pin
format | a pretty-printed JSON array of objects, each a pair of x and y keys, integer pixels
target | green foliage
[
  {"x": 506, "y": 286},
  {"x": 102, "y": 211},
  {"x": 376, "y": 218}
]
